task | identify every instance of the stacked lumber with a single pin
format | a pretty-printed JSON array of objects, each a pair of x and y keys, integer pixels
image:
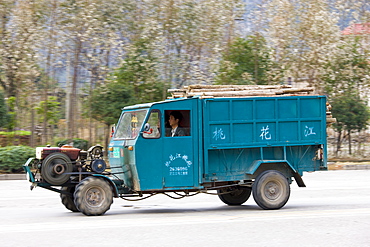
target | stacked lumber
[
  {"x": 329, "y": 117},
  {"x": 210, "y": 91},
  {"x": 216, "y": 91}
]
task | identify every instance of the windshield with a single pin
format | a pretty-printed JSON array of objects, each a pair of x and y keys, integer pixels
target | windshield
[{"x": 130, "y": 124}]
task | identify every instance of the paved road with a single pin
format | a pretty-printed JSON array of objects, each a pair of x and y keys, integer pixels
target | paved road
[{"x": 334, "y": 210}]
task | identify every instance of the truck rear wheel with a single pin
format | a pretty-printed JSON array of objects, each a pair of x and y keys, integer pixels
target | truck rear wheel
[
  {"x": 54, "y": 168},
  {"x": 68, "y": 199},
  {"x": 271, "y": 190},
  {"x": 93, "y": 196},
  {"x": 235, "y": 197}
]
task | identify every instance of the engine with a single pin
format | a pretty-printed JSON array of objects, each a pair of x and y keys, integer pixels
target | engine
[{"x": 58, "y": 165}]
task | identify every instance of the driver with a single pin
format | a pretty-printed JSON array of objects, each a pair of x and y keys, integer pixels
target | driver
[{"x": 174, "y": 121}]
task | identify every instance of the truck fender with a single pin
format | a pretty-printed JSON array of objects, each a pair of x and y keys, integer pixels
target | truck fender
[
  {"x": 114, "y": 187},
  {"x": 257, "y": 163},
  {"x": 27, "y": 169}
]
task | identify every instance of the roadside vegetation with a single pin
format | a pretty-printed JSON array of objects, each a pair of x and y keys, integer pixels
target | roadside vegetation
[{"x": 13, "y": 157}]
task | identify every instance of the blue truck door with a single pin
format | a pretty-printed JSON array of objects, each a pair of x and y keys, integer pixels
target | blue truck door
[{"x": 180, "y": 149}]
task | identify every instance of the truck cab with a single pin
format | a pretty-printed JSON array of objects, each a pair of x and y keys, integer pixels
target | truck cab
[{"x": 148, "y": 156}]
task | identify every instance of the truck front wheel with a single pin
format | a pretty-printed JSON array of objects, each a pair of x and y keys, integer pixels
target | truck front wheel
[
  {"x": 271, "y": 190},
  {"x": 234, "y": 197},
  {"x": 67, "y": 198},
  {"x": 93, "y": 196}
]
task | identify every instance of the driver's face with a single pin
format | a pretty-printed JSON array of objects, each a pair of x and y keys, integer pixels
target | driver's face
[{"x": 173, "y": 122}]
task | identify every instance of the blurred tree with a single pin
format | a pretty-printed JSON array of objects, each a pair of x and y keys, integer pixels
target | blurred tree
[
  {"x": 247, "y": 61},
  {"x": 188, "y": 37},
  {"x": 11, "y": 102},
  {"x": 51, "y": 116},
  {"x": 93, "y": 34},
  {"x": 303, "y": 36},
  {"x": 352, "y": 113},
  {"x": 18, "y": 28},
  {"x": 18, "y": 65},
  {"x": 346, "y": 82},
  {"x": 107, "y": 101},
  {"x": 3, "y": 111},
  {"x": 138, "y": 73},
  {"x": 348, "y": 69}
]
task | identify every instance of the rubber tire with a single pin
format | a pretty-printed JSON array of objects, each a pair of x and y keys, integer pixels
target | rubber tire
[
  {"x": 236, "y": 197},
  {"x": 271, "y": 190},
  {"x": 93, "y": 196},
  {"x": 48, "y": 164},
  {"x": 68, "y": 200}
]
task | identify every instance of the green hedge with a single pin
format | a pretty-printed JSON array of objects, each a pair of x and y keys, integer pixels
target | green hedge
[
  {"x": 20, "y": 137},
  {"x": 12, "y": 158},
  {"x": 17, "y": 133}
]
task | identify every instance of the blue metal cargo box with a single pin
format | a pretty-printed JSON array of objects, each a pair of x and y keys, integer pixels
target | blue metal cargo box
[{"x": 240, "y": 134}]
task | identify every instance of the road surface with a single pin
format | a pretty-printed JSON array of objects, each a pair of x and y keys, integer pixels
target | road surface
[{"x": 333, "y": 210}]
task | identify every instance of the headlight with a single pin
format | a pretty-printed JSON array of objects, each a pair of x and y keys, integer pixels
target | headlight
[{"x": 39, "y": 152}]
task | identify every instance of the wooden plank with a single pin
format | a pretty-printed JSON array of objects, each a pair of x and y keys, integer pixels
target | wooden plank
[{"x": 238, "y": 91}]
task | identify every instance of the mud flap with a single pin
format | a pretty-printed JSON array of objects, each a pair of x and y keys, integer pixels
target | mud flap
[{"x": 298, "y": 179}]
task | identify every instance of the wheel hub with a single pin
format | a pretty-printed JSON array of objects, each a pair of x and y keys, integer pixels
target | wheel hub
[
  {"x": 59, "y": 169},
  {"x": 272, "y": 191},
  {"x": 94, "y": 197}
]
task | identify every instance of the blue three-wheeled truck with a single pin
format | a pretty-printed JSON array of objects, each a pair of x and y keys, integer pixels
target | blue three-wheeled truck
[{"x": 237, "y": 146}]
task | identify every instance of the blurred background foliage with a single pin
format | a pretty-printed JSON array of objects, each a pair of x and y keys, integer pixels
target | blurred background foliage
[{"x": 67, "y": 68}]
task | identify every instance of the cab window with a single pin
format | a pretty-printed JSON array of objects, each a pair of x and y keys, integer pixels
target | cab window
[
  {"x": 178, "y": 123},
  {"x": 152, "y": 128},
  {"x": 130, "y": 124}
]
